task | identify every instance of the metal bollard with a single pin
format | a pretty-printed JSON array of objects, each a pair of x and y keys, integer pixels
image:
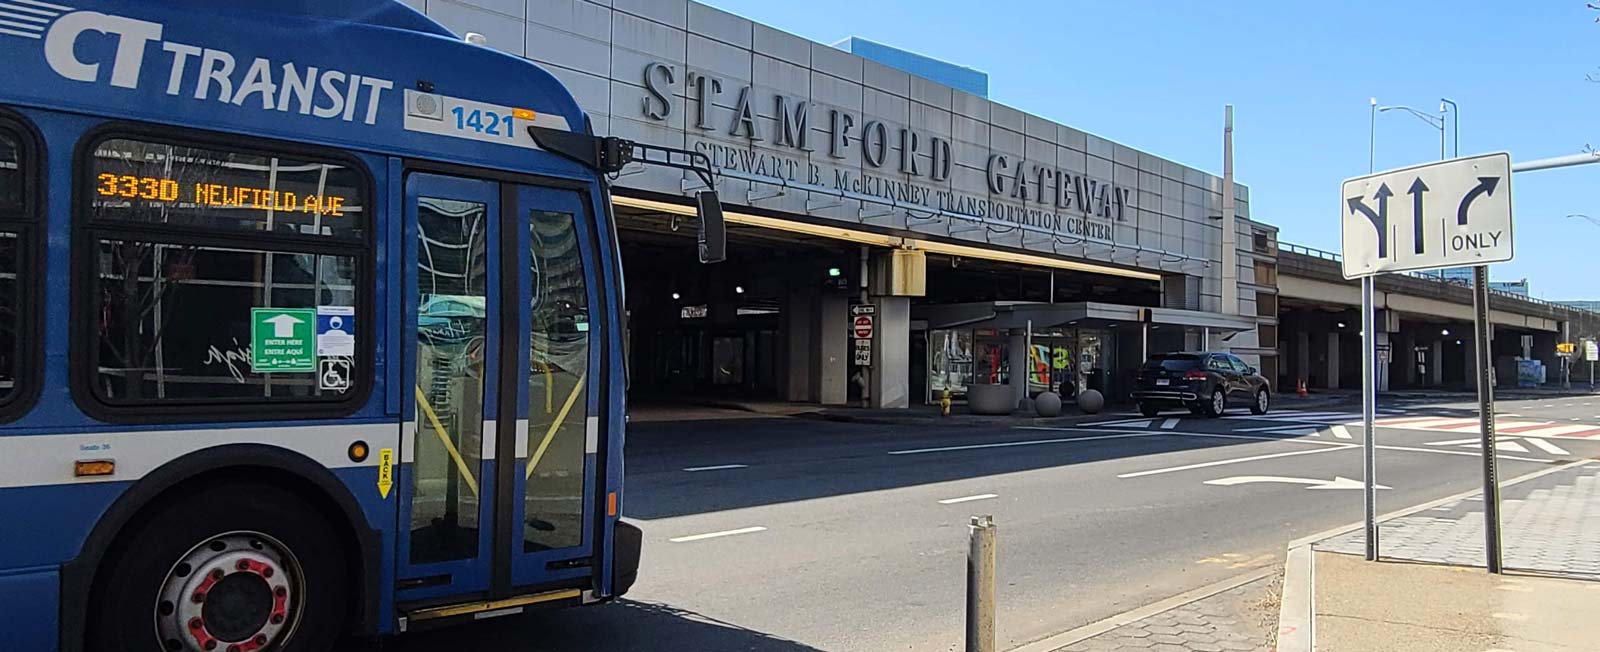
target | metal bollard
[{"x": 980, "y": 584}]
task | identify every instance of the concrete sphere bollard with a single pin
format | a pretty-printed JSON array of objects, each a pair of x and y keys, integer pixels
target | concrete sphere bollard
[
  {"x": 1091, "y": 401},
  {"x": 1047, "y": 404}
]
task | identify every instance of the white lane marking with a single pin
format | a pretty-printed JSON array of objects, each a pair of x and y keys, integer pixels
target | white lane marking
[
  {"x": 1029, "y": 442},
  {"x": 1509, "y": 445},
  {"x": 1253, "y": 458},
  {"x": 1546, "y": 446},
  {"x": 713, "y": 535},
  {"x": 719, "y": 467},
  {"x": 1341, "y": 433},
  {"x": 1270, "y": 428},
  {"x": 967, "y": 499},
  {"x": 1125, "y": 423},
  {"x": 1338, "y": 482},
  {"x": 1454, "y": 442},
  {"x": 1169, "y": 424},
  {"x": 1467, "y": 453}
]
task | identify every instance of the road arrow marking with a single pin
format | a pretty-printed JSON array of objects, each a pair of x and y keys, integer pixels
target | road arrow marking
[
  {"x": 967, "y": 499},
  {"x": 1338, "y": 482}
]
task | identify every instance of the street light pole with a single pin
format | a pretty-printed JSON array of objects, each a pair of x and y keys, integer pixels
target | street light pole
[
  {"x": 1372, "y": 135},
  {"x": 1436, "y": 123},
  {"x": 1455, "y": 124}
]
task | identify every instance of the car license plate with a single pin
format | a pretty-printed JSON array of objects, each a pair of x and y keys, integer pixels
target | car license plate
[{"x": 1163, "y": 382}]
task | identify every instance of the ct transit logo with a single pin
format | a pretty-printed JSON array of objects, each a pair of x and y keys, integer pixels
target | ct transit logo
[{"x": 203, "y": 73}]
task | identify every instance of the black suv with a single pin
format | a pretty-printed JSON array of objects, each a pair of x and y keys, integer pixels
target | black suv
[{"x": 1206, "y": 383}]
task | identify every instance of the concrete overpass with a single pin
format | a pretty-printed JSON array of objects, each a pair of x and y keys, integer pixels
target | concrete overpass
[{"x": 1425, "y": 334}]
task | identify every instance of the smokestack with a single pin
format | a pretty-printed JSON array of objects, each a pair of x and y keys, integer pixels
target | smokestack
[{"x": 1230, "y": 227}]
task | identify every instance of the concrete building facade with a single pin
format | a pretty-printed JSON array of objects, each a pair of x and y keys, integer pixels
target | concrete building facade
[{"x": 976, "y": 238}]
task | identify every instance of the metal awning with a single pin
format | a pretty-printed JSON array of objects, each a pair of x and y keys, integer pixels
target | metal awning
[{"x": 1084, "y": 314}]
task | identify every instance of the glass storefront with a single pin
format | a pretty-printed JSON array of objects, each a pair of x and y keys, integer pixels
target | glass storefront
[{"x": 1059, "y": 360}]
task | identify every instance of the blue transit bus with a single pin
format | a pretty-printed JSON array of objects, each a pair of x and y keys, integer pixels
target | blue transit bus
[{"x": 310, "y": 327}]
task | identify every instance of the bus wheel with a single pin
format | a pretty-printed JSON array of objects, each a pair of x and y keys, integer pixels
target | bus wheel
[{"x": 234, "y": 568}]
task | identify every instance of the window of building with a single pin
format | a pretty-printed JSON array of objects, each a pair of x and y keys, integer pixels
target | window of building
[
  {"x": 1266, "y": 273},
  {"x": 1261, "y": 243},
  {"x": 18, "y": 307},
  {"x": 222, "y": 276}
]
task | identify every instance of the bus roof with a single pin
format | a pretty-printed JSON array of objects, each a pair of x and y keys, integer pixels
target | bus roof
[{"x": 371, "y": 75}]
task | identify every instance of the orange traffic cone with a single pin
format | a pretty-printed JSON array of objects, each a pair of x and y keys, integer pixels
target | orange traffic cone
[{"x": 1300, "y": 388}]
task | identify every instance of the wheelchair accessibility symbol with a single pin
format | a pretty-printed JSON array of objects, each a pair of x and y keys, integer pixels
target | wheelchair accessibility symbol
[{"x": 334, "y": 375}]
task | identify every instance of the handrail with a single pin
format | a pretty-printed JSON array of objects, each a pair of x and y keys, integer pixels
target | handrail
[{"x": 1328, "y": 255}]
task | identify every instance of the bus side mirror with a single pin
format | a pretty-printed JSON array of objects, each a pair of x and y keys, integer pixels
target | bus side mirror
[{"x": 713, "y": 232}]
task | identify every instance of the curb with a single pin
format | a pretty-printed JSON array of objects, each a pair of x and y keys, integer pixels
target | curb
[
  {"x": 1091, "y": 630},
  {"x": 1297, "y": 621}
]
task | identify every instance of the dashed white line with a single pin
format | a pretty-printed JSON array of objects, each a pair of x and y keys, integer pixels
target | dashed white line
[
  {"x": 1169, "y": 424},
  {"x": 719, "y": 467},
  {"x": 967, "y": 499},
  {"x": 1341, "y": 433},
  {"x": 713, "y": 535}
]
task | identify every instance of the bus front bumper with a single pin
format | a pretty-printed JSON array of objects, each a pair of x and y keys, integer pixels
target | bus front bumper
[{"x": 627, "y": 542}]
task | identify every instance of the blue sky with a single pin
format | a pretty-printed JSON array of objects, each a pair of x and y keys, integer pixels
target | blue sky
[{"x": 1155, "y": 76}]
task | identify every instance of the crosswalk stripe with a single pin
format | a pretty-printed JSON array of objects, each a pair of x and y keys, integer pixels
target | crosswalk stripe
[
  {"x": 1548, "y": 447},
  {"x": 1341, "y": 433},
  {"x": 1169, "y": 424}
]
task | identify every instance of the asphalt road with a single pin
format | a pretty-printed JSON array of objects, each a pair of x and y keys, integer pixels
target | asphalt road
[{"x": 810, "y": 535}]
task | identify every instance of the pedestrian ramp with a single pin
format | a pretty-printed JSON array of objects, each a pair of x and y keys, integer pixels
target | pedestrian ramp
[{"x": 1470, "y": 425}]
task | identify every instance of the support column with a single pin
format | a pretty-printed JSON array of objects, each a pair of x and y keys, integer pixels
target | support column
[
  {"x": 1333, "y": 360},
  {"x": 833, "y": 342},
  {"x": 1302, "y": 354},
  {"x": 799, "y": 346},
  {"x": 891, "y": 352},
  {"x": 1382, "y": 370},
  {"x": 1436, "y": 363},
  {"x": 1017, "y": 376},
  {"x": 1408, "y": 357}
]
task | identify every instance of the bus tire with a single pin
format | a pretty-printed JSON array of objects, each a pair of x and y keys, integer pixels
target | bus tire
[{"x": 236, "y": 563}]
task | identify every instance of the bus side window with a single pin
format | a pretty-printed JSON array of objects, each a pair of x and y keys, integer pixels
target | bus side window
[
  {"x": 221, "y": 275},
  {"x": 16, "y": 269}
]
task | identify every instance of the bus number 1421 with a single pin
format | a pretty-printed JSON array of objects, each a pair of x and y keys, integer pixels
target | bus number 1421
[{"x": 483, "y": 122}]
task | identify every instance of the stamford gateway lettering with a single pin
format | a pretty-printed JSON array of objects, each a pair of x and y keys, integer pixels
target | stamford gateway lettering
[{"x": 1017, "y": 190}]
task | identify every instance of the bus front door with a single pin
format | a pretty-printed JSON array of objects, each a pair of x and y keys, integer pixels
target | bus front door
[{"x": 499, "y": 436}]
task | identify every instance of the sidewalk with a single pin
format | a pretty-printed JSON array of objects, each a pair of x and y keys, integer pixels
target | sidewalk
[{"x": 1430, "y": 591}]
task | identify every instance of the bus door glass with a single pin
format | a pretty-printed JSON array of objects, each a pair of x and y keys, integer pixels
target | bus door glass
[
  {"x": 501, "y": 435},
  {"x": 559, "y": 437},
  {"x": 453, "y": 345}
]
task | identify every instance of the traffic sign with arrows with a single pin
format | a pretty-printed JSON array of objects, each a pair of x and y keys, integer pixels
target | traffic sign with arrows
[{"x": 1459, "y": 215}]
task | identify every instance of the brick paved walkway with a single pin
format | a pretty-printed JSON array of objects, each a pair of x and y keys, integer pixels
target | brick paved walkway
[
  {"x": 1549, "y": 524},
  {"x": 1241, "y": 619}
]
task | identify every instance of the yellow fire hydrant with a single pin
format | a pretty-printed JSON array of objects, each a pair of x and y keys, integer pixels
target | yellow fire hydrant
[{"x": 944, "y": 403}]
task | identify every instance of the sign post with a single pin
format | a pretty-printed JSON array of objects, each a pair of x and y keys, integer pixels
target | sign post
[
  {"x": 1591, "y": 352},
  {"x": 1458, "y": 214}
]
